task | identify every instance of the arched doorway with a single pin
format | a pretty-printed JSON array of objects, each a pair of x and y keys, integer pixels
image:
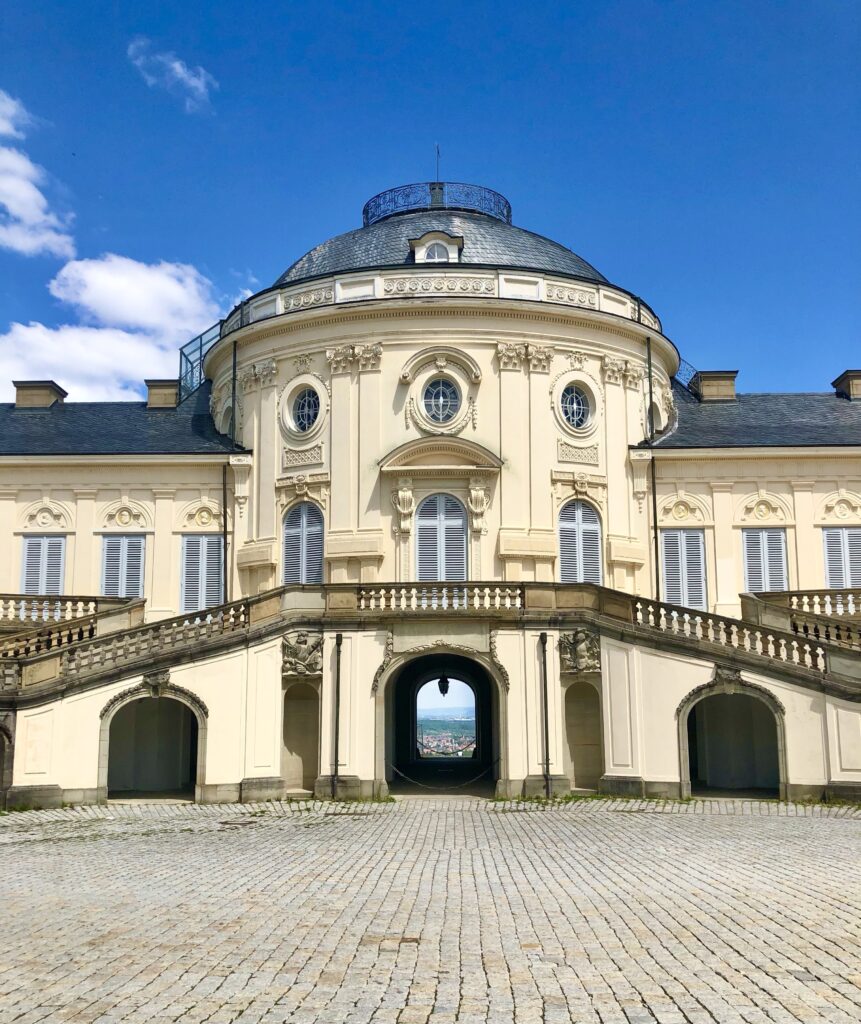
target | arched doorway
[
  {"x": 153, "y": 749},
  {"x": 436, "y": 746},
  {"x": 734, "y": 744},
  {"x": 583, "y": 732},
  {"x": 300, "y": 752}
]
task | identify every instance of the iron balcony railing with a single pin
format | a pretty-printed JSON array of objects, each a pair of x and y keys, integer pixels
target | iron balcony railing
[
  {"x": 191, "y": 357},
  {"x": 436, "y": 195}
]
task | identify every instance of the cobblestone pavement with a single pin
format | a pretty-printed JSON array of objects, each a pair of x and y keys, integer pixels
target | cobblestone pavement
[{"x": 610, "y": 911}]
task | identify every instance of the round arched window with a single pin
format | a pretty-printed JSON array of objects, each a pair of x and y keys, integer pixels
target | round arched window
[
  {"x": 436, "y": 253},
  {"x": 306, "y": 409},
  {"x": 441, "y": 400},
  {"x": 575, "y": 406}
]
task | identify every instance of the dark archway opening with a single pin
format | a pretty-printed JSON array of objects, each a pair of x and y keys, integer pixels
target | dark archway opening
[
  {"x": 152, "y": 750},
  {"x": 732, "y": 746},
  {"x": 443, "y": 742}
]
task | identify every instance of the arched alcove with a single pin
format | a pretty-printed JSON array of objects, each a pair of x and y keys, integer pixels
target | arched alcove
[
  {"x": 300, "y": 751},
  {"x": 152, "y": 749},
  {"x": 583, "y": 733}
]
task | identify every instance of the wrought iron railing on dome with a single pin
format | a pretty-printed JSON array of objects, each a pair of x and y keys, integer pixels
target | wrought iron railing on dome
[
  {"x": 191, "y": 360},
  {"x": 436, "y": 195}
]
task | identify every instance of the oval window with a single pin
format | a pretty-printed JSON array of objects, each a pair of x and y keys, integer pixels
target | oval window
[
  {"x": 441, "y": 400},
  {"x": 306, "y": 409},
  {"x": 575, "y": 406}
]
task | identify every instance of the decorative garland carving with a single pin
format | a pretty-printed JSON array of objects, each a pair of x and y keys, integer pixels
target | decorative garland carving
[
  {"x": 575, "y": 296},
  {"x": 494, "y": 657},
  {"x": 388, "y": 654},
  {"x": 302, "y": 300},
  {"x": 404, "y": 504},
  {"x": 478, "y": 503},
  {"x": 430, "y": 285}
]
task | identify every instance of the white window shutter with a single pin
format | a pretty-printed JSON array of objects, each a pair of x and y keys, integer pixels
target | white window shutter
[
  {"x": 31, "y": 582},
  {"x": 774, "y": 545},
  {"x": 454, "y": 540},
  {"x": 671, "y": 550},
  {"x": 214, "y": 574},
  {"x": 55, "y": 563},
  {"x": 853, "y": 557},
  {"x": 579, "y": 544},
  {"x": 313, "y": 543},
  {"x": 112, "y": 559},
  {"x": 695, "y": 568},
  {"x": 754, "y": 561},
  {"x": 835, "y": 562},
  {"x": 191, "y": 572},
  {"x": 427, "y": 539},
  {"x": 133, "y": 570},
  {"x": 291, "y": 547}
]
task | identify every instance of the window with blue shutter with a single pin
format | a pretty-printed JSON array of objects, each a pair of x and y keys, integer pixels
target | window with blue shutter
[
  {"x": 579, "y": 544},
  {"x": 123, "y": 566},
  {"x": 44, "y": 565},
  {"x": 302, "y": 545},
  {"x": 441, "y": 538},
  {"x": 202, "y": 572},
  {"x": 764, "y": 560},
  {"x": 842, "y": 557},
  {"x": 684, "y": 568}
]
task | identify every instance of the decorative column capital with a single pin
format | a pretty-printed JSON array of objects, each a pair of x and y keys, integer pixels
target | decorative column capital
[
  {"x": 404, "y": 504},
  {"x": 341, "y": 358},
  {"x": 510, "y": 355}
]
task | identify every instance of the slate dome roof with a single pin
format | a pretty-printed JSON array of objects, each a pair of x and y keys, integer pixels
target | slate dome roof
[{"x": 489, "y": 239}]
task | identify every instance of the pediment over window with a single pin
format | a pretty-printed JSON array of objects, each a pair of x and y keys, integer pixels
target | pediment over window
[
  {"x": 436, "y": 247},
  {"x": 448, "y": 456}
]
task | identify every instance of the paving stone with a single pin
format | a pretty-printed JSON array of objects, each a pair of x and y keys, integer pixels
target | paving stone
[{"x": 432, "y": 912}]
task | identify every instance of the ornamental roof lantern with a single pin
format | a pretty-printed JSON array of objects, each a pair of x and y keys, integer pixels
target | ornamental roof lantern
[{"x": 436, "y": 195}]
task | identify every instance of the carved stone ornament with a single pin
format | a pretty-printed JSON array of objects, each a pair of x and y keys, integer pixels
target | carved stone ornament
[
  {"x": 478, "y": 503},
  {"x": 404, "y": 504},
  {"x": 580, "y": 651},
  {"x": 539, "y": 358},
  {"x": 301, "y": 654},
  {"x": 387, "y": 660},
  {"x": 729, "y": 680},
  {"x": 762, "y": 509},
  {"x": 340, "y": 358},
  {"x": 291, "y": 457},
  {"x": 567, "y": 485},
  {"x": 567, "y": 452},
  {"x": 258, "y": 375},
  {"x": 439, "y": 285},
  {"x": 681, "y": 510},
  {"x": 369, "y": 356},
  {"x": 156, "y": 684},
  {"x": 842, "y": 506},
  {"x": 125, "y": 516},
  {"x": 302, "y": 300},
  {"x": 614, "y": 369},
  {"x": 46, "y": 515},
  {"x": 494, "y": 657},
  {"x": 202, "y": 515},
  {"x": 510, "y": 355},
  {"x": 633, "y": 375},
  {"x": 576, "y": 360},
  {"x": 668, "y": 403},
  {"x": 576, "y": 296},
  {"x": 304, "y": 485},
  {"x": 302, "y": 363}
]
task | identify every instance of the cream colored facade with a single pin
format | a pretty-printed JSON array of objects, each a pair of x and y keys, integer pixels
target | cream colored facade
[{"x": 368, "y": 341}]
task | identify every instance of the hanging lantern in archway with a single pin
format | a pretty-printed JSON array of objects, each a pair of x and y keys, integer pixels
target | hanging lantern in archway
[{"x": 442, "y": 682}]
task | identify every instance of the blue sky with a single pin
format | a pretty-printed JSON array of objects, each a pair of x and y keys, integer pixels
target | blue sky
[
  {"x": 459, "y": 696},
  {"x": 168, "y": 157}
]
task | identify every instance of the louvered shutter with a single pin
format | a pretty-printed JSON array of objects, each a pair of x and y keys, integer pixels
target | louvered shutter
[
  {"x": 133, "y": 570},
  {"x": 579, "y": 544},
  {"x": 853, "y": 557},
  {"x": 213, "y": 576},
  {"x": 590, "y": 543},
  {"x": 291, "y": 546},
  {"x": 191, "y": 572},
  {"x": 695, "y": 569},
  {"x": 754, "y": 561},
  {"x": 454, "y": 540},
  {"x": 312, "y": 553},
  {"x": 112, "y": 560},
  {"x": 31, "y": 582},
  {"x": 671, "y": 548},
  {"x": 774, "y": 544},
  {"x": 427, "y": 539},
  {"x": 835, "y": 561}
]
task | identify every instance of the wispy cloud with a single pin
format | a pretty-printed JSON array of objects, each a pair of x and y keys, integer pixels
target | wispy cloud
[
  {"x": 131, "y": 319},
  {"x": 164, "y": 70},
  {"x": 28, "y": 225}
]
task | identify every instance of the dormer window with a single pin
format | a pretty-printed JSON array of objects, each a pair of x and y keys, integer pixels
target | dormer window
[
  {"x": 437, "y": 247},
  {"x": 436, "y": 253}
]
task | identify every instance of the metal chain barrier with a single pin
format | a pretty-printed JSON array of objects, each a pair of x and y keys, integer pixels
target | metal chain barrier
[{"x": 460, "y": 785}]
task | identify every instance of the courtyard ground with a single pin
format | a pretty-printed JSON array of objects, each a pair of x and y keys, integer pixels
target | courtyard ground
[{"x": 610, "y": 911}]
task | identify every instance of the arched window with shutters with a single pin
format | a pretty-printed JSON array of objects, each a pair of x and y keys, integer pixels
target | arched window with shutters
[
  {"x": 302, "y": 545},
  {"x": 579, "y": 544},
  {"x": 441, "y": 540}
]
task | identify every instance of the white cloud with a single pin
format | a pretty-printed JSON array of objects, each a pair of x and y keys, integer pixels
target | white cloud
[
  {"x": 166, "y": 71},
  {"x": 27, "y": 223},
  {"x": 133, "y": 319},
  {"x": 14, "y": 116}
]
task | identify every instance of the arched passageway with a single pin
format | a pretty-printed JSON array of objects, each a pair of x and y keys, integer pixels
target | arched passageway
[
  {"x": 153, "y": 748},
  {"x": 442, "y": 730},
  {"x": 583, "y": 732},
  {"x": 733, "y": 745},
  {"x": 5, "y": 765},
  {"x": 300, "y": 753}
]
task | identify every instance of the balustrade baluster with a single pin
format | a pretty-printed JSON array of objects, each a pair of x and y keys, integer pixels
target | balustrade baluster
[
  {"x": 795, "y": 655},
  {"x": 820, "y": 659},
  {"x": 733, "y": 635},
  {"x": 770, "y": 645}
]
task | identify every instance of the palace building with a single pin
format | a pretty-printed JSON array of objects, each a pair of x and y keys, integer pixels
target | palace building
[{"x": 439, "y": 448}]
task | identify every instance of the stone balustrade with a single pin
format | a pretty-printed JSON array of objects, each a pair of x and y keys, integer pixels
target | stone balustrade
[
  {"x": 19, "y": 611},
  {"x": 735, "y": 634},
  {"x": 454, "y": 597},
  {"x": 838, "y": 603}
]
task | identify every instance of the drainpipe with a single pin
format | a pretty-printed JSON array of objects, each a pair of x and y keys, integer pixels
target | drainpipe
[
  {"x": 543, "y": 639},
  {"x": 224, "y": 581},
  {"x": 657, "y": 552},
  {"x": 233, "y": 396},
  {"x": 339, "y": 639}
]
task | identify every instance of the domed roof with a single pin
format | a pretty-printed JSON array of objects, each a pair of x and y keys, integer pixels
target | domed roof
[{"x": 480, "y": 216}]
